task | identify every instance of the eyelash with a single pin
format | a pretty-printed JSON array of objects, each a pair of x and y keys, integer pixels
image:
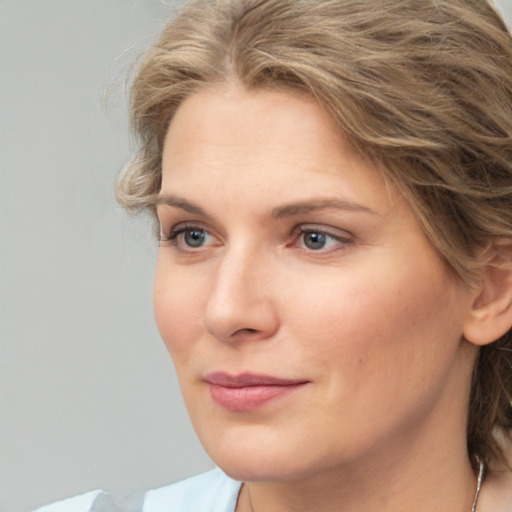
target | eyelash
[{"x": 172, "y": 240}]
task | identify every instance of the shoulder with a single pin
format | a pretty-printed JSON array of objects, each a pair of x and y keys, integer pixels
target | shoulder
[
  {"x": 81, "y": 503},
  {"x": 213, "y": 491}
]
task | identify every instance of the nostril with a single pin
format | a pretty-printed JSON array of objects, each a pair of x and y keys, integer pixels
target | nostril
[{"x": 246, "y": 331}]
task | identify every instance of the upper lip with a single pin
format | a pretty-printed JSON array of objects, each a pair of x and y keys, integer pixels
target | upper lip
[{"x": 243, "y": 380}]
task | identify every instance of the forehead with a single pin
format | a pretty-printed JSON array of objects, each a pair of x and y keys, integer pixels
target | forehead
[
  {"x": 231, "y": 114},
  {"x": 270, "y": 133}
]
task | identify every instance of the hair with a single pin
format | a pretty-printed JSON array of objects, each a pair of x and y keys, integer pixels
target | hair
[{"x": 421, "y": 87}]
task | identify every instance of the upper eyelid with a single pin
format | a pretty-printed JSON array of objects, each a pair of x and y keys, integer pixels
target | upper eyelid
[
  {"x": 334, "y": 236},
  {"x": 326, "y": 229},
  {"x": 173, "y": 227}
]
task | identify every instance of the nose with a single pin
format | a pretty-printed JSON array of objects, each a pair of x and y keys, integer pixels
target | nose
[{"x": 241, "y": 303}]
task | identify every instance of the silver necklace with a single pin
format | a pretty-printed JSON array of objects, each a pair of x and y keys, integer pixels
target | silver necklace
[{"x": 481, "y": 470}]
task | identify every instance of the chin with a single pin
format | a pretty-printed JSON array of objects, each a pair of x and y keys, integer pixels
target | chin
[
  {"x": 263, "y": 469},
  {"x": 265, "y": 457}
]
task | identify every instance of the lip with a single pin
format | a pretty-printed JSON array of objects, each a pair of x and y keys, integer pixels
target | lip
[{"x": 249, "y": 391}]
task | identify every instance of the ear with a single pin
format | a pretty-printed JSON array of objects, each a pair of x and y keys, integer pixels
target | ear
[{"x": 491, "y": 313}]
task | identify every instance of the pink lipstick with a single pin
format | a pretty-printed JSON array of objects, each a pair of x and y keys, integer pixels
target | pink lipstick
[{"x": 248, "y": 391}]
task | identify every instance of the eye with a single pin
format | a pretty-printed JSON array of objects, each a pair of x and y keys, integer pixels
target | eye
[
  {"x": 318, "y": 240},
  {"x": 188, "y": 238}
]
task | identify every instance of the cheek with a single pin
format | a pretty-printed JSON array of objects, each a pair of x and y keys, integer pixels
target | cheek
[
  {"x": 374, "y": 330},
  {"x": 177, "y": 305}
]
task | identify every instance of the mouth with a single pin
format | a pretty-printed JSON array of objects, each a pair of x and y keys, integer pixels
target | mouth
[{"x": 247, "y": 391}]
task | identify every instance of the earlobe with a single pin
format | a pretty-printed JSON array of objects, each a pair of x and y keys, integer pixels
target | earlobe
[{"x": 491, "y": 313}]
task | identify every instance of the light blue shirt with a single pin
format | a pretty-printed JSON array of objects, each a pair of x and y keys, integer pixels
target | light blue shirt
[{"x": 213, "y": 491}]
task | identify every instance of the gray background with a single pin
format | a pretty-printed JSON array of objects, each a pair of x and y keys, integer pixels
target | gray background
[{"x": 88, "y": 396}]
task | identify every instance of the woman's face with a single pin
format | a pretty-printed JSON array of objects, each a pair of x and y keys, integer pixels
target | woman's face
[{"x": 311, "y": 323}]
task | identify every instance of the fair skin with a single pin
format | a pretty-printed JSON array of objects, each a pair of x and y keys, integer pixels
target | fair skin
[{"x": 286, "y": 254}]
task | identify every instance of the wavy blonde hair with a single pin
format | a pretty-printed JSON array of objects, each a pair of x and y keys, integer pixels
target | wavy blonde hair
[{"x": 423, "y": 88}]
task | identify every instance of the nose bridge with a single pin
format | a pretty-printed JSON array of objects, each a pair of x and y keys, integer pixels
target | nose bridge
[{"x": 240, "y": 300}]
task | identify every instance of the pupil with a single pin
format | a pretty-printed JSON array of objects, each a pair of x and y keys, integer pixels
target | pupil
[
  {"x": 194, "y": 238},
  {"x": 315, "y": 241}
]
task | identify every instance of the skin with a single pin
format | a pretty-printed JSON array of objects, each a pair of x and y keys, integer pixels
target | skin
[{"x": 373, "y": 321}]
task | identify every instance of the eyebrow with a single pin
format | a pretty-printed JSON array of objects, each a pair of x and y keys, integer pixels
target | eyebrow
[
  {"x": 302, "y": 207},
  {"x": 288, "y": 210},
  {"x": 179, "y": 202}
]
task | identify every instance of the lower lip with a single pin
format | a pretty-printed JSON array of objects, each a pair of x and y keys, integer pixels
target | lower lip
[{"x": 250, "y": 397}]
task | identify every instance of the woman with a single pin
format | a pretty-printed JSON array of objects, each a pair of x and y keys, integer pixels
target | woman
[{"x": 332, "y": 184}]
